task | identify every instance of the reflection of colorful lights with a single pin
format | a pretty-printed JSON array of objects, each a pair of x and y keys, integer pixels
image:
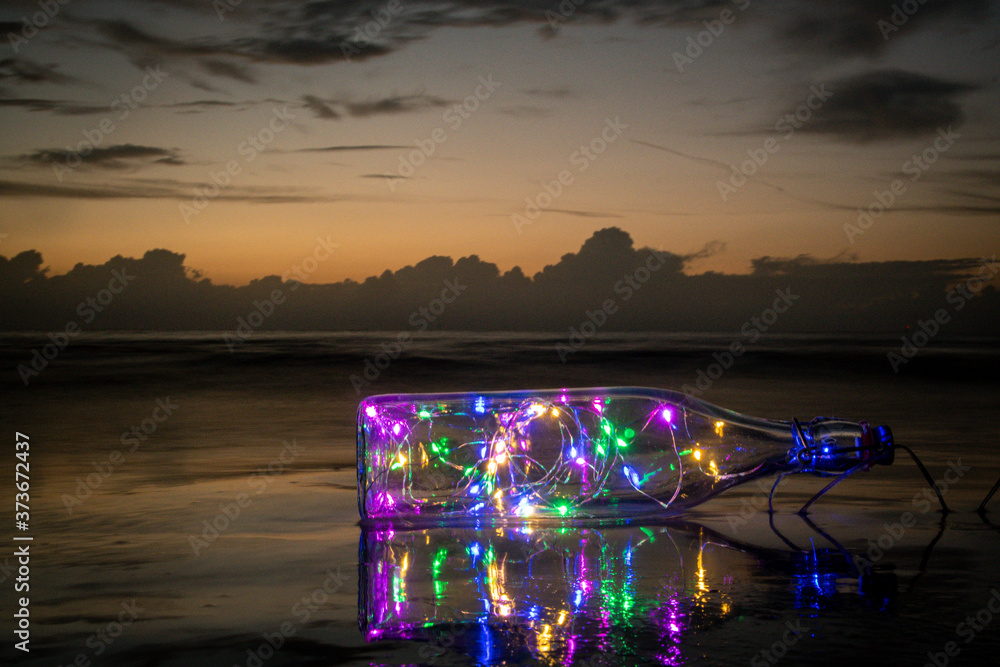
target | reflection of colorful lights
[{"x": 561, "y": 593}]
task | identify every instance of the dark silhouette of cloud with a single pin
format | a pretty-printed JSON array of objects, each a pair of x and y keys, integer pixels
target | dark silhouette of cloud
[
  {"x": 27, "y": 71},
  {"x": 321, "y": 108},
  {"x": 58, "y": 107},
  {"x": 887, "y": 104},
  {"x": 650, "y": 290},
  {"x": 327, "y": 31},
  {"x": 183, "y": 191},
  {"x": 120, "y": 156},
  {"x": 348, "y": 147},
  {"x": 333, "y": 109},
  {"x": 850, "y": 27}
]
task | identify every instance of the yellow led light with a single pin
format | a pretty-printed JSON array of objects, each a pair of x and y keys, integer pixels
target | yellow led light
[
  {"x": 555, "y": 412},
  {"x": 492, "y": 467},
  {"x": 697, "y": 455},
  {"x": 402, "y": 459}
]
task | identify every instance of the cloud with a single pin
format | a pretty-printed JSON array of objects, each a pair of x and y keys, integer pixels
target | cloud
[
  {"x": 850, "y": 27},
  {"x": 584, "y": 214},
  {"x": 26, "y": 71},
  {"x": 886, "y": 105},
  {"x": 121, "y": 156},
  {"x": 334, "y": 109},
  {"x": 352, "y": 147},
  {"x": 58, "y": 107},
  {"x": 183, "y": 191},
  {"x": 321, "y": 108},
  {"x": 833, "y": 294}
]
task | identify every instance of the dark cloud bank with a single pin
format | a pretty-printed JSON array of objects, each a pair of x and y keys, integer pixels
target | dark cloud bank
[{"x": 828, "y": 296}]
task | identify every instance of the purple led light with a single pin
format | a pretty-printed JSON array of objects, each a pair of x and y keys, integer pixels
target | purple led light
[{"x": 667, "y": 414}]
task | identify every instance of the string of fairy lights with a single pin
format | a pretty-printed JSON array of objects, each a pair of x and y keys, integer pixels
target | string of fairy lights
[{"x": 536, "y": 457}]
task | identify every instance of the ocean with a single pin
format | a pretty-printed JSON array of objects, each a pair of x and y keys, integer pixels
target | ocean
[{"x": 196, "y": 505}]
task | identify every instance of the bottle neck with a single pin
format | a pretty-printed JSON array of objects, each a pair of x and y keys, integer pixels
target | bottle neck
[{"x": 829, "y": 446}]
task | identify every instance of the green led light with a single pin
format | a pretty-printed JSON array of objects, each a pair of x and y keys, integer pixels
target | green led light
[
  {"x": 563, "y": 509},
  {"x": 607, "y": 428},
  {"x": 423, "y": 414},
  {"x": 622, "y": 443},
  {"x": 629, "y": 433},
  {"x": 684, "y": 453}
]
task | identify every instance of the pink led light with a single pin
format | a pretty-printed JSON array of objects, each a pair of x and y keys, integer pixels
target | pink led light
[
  {"x": 668, "y": 415},
  {"x": 580, "y": 460},
  {"x": 396, "y": 428},
  {"x": 371, "y": 411}
]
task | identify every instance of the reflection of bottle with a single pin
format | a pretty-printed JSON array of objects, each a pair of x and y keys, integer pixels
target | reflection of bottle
[
  {"x": 580, "y": 453},
  {"x": 561, "y": 594},
  {"x": 565, "y": 595}
]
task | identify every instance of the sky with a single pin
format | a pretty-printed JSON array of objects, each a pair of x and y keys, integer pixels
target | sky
[{"x": 243, "y": 134}]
